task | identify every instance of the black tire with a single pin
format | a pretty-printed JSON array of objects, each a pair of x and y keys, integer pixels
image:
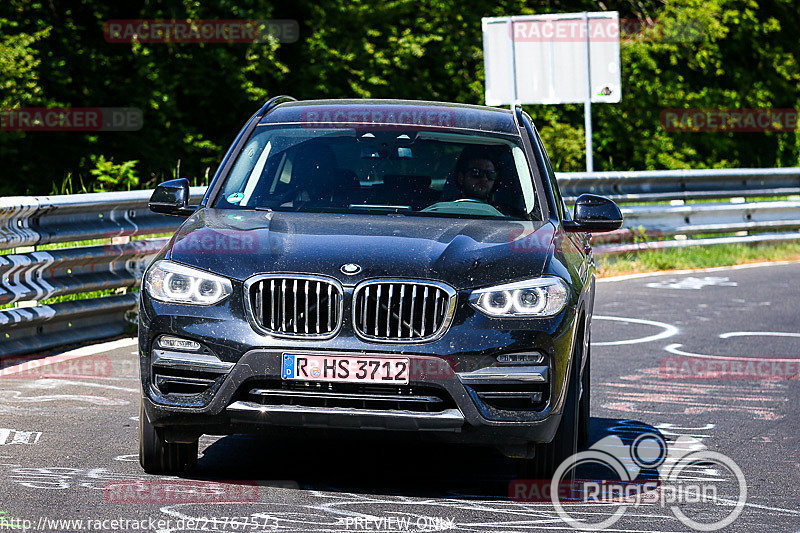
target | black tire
[
  {"x": 157, "y": 456},
  {"x": 565, "y": 443},
  {"x": 585, "y": 402}
]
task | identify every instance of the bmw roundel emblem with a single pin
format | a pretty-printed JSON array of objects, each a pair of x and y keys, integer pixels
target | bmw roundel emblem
[{"x": 350, "y": 269}]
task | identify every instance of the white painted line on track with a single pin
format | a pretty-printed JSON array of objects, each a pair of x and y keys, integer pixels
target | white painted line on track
[
  {"x": 13, "y": 396},
  {"x": 675, "y": 349},
  {"x": 624, "y": 277},
  {"x": 15, "y": 436},
  {"x": 757, "y": 334},
  {"x": 58, "y": 381},
  {"x": 669, "y": 330},
  {"x": 757, "y": 506},
  {"x": 693, "y": 283}
]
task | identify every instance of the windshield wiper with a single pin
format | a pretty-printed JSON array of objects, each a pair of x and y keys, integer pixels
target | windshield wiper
[{"x": 382, "y": 207}]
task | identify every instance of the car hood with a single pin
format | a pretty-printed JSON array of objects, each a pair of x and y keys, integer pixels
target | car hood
[{"x": 462, "y": 253}]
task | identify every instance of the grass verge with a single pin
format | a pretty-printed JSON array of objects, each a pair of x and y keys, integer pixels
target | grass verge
[{"x": 696, "y": 257}]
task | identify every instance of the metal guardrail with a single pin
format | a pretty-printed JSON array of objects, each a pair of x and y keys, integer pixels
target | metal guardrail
[
  {"x": 36, "y": 220},
  {"x": 714, "y": 218},
  {"x": 628, "y": 248},
  {"x": 45, "y": 274},
  {"x": 29, "y": 329},
  {"x": 661, "y": 185},
  {"x": 703, "y": 217},
  {"x": 31, "y": 276}
]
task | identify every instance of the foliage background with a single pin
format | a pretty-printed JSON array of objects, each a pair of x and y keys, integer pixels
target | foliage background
[{"x": 195, "y": 97}]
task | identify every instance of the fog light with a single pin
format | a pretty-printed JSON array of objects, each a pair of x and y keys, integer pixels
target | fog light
[
  {"x": 520, "y": 358},
  {"x": 176, "y": 343}
]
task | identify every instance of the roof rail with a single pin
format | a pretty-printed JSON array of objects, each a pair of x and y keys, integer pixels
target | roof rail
[{"x": 273, "y": 102}]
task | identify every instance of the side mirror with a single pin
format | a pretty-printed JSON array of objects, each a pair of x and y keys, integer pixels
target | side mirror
[
  {"x": 172, "y": 198},
  {"x": 594, "y": 214}
]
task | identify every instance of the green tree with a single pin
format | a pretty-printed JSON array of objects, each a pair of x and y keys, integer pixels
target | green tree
[{"x": 195, "y": 97}]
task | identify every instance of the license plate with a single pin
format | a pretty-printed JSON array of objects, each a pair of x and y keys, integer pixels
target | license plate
[{"x": 352, "y": 369}]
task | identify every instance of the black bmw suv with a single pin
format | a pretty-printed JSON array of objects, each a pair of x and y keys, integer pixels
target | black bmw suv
[{"x": 373, "y": 265}]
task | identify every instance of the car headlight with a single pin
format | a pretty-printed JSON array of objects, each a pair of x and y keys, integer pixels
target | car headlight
[
  {"x": 175, "y": 283},
  {"x": 539, "y": 297}
]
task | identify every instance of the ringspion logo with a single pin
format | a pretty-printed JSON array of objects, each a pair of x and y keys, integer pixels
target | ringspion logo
[{"x": 677, "y": 487}]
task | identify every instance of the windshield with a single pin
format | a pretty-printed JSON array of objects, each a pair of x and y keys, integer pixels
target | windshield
[{"x": 414, "y": 172}]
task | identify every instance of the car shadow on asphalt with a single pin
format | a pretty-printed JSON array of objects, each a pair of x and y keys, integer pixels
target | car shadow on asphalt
[{"x": 383, "y": 463}]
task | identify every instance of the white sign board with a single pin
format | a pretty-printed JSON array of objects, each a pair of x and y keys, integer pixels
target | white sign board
[{"x": 542, "y": 59}]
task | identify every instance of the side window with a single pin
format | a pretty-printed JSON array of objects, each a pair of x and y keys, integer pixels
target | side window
[{"x": 551, "y": 175}]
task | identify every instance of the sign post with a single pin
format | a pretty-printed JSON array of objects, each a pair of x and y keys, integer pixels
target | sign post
[
  {"x": 553, "y": 59},
  {"x": 587, "y": 104}
]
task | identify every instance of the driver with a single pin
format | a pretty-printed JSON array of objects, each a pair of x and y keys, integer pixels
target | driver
[
  {"x": 311, "y": 175},
  {"x": 476, "y": 175}
]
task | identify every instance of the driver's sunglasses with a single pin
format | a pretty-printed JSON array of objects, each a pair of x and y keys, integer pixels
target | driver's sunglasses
[{"x": 476, "y": 173}]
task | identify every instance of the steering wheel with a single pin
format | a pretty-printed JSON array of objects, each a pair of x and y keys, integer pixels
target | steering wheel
[{"x": 463, "y": 206}]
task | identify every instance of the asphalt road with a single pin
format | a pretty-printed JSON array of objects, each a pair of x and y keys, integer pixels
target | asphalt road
[{"x": 67, "y": 446}]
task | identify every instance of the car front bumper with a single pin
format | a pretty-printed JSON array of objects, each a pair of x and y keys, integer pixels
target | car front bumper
[
  {"x": 228, "y": 410},
  {"x": 243, "y": 359}
]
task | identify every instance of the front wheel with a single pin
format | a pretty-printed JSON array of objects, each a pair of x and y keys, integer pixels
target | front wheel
[
  {"x": 565, "y": 443},
  {"x": 157, "y": 456}
]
